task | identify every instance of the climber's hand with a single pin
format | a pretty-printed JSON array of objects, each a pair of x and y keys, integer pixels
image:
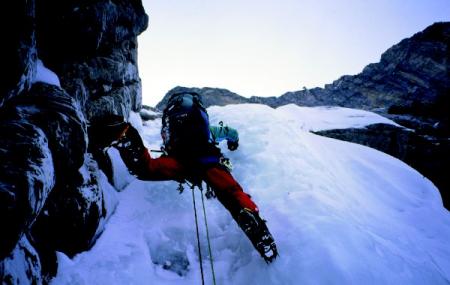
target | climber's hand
[{"x": 104, "y": 133}]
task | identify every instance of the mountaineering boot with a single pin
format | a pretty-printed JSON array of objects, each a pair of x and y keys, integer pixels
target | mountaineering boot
[{"x": 256, "y": 230}]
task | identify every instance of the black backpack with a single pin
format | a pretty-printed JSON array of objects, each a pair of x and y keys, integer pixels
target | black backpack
[{"x": 185, "y": 126}]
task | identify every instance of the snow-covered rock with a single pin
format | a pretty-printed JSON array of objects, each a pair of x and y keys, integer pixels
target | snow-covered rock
[
  {"x": 45, "y": 75},
  {"x": 330, "y": 118},
  {"x": 92, "y": 46},
  {"x": 22, "y": 266},
  {"x": 26, "y": 179},
  {"x": 90, "y": 55}
]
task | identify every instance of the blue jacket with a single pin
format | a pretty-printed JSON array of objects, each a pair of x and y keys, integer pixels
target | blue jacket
[{"x": 220, "y": 133}]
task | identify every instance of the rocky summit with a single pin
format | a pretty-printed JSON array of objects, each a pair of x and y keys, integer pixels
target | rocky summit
[
  {"x": 210, "y": 96},
  {"x": 412, "y": 78}
]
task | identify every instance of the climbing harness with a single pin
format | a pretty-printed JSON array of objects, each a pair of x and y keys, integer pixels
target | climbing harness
[
  {"x": 209, "y": 192},
  {"x": 225, "y": 162}
]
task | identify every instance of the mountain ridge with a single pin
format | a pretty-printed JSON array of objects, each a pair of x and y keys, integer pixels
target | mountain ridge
[
  {"x": 412, "y": 77},
  {"x": 409, "y": 85}
]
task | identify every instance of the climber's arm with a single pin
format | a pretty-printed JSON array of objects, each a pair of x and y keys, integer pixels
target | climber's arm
[
  {"x": 139, "y": 162},
  {"x": 220, "y": 133}
]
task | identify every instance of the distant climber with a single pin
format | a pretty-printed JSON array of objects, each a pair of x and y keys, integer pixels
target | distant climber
[{"x": 191, "y": 153}]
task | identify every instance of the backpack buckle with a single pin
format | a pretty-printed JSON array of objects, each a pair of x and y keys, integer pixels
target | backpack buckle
[{"x": 225, "y": 162}]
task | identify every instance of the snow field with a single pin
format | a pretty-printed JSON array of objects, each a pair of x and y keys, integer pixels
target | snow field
[{"x": 340, "y": 213}]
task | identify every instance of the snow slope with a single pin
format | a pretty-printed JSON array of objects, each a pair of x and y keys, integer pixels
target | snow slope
[
  {"x": 341, "y": 213},
  {"x": 328, "y": 118}
]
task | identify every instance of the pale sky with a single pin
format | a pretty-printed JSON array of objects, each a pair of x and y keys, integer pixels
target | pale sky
[{"x": 269, "y": 47}]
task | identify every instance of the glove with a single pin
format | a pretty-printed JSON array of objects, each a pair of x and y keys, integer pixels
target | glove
[
  {"x": 130, "y": 142},
  {"x": 232, "y": 145},
  {"x": 103, "y": 133},
  {"x": 133, "y": 152}
]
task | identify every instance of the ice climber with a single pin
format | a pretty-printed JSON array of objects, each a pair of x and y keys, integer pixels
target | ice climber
[{"x": 191, "y": 153}]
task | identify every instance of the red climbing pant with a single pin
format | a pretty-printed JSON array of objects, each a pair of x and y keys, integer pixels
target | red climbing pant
[{"x": 227, "y": 189}]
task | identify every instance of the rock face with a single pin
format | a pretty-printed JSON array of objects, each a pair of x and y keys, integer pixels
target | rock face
[
  {"x": 92, "y": 46},
  {"x": 19, "y": 46},
  {"x": 26, "y": 179},
  {"x": 22, "y": 266},
  {"x": 50, "y": 195}
]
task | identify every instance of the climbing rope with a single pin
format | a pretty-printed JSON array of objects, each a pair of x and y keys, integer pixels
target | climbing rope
[
  {"x": 198, "y": 237},
  {"x": 209, "y": 242},
  {"x": 207, "y": 236}
]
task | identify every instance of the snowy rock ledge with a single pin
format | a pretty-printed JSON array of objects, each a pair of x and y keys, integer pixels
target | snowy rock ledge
[{"x": 45, "y": 75}]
